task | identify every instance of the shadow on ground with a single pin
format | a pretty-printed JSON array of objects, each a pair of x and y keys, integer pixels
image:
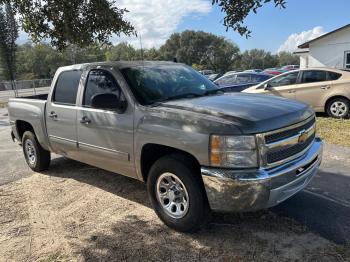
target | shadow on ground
[
  {"x": 325, "y": 217},
  {"x": 311, "y": 213}
]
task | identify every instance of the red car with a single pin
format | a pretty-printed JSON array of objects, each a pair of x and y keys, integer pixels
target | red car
[
  {"x": 290, "y": 67},
  {"x": 273, "y": 71}
]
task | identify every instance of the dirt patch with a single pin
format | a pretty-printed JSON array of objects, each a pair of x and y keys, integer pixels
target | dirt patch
[{"x": 87, "y": 214}]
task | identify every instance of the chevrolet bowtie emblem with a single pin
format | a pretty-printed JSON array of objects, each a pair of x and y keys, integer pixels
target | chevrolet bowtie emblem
[{"x": 303, "y": 135}]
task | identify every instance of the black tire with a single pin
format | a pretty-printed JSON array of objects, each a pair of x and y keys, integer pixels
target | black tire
[
  {"x": 198, "y": 212},
  {"x": 42, "y": 157},
  {"x": 345, "y": 106}
]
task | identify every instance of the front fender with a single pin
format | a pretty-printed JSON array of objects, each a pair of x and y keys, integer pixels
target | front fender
[{"x": 179, "y": 129}]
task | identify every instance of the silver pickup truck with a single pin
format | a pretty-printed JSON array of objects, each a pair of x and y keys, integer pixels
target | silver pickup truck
[{"x": 197, "y": 148}]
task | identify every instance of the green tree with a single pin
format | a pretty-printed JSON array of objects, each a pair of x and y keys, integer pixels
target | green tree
[
  {"x": 38, "y": 61},
  {"x": 8, "y": 36},
  {"x": 198, "y": 47},
  {"x": 76, "y": 55},
  {"x": 42, "y": 60},
  {"x": 197, "y": 67},
  {"x": 151, "y": 54},
  {"x": 122, "y": 51},
  {"x": 237, "y": 11},
  {"x": 79, "y": 22},
  {"x": 286, "y": 58},
  {"x": 83, "y": 23},
  {"x": 256, "y": 59}
]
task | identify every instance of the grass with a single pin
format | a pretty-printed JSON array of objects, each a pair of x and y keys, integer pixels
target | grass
[
  {"x": 334, "y": 131},
  {"x": 54, "y": 257}
]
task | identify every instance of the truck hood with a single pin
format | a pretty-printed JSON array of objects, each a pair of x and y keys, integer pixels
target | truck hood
[{"x": 251, "y": 113}]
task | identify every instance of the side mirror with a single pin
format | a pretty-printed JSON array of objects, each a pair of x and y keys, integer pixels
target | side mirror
[{"x": 108, "y": 102}]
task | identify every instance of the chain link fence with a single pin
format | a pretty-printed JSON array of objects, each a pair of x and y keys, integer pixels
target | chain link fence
[{"x": 27, "y": 87}]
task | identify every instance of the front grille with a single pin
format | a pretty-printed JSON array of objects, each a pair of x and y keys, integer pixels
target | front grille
[
  {"x": 275, "y": 137},
  {"x": 280, "y": 154}
]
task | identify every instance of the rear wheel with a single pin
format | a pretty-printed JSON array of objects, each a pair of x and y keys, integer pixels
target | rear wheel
[
  {"x": 37, "y": 158},
  {"x": 338, "y": 108},
  {"x": 177, "y": 193}
]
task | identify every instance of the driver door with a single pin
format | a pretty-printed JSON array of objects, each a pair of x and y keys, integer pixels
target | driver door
[{"x": 105, "y": 137}]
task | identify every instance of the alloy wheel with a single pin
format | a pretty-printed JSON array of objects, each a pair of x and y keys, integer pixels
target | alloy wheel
[
  {"x": 338, "y": 108},
  {"x": 172, "y": 195}
]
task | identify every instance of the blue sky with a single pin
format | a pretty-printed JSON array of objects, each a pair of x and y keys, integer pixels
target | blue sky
[{"x": 272, "y": 26}]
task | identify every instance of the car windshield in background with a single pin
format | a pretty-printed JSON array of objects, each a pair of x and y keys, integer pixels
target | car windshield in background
[
  {"x": 241, "y": 78},
  {"x": 158, "y": 83}
]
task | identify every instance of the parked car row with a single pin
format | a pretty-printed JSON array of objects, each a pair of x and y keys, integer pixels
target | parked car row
[
  {"x": 325, "y": 89},
  {"x": 237, "y": 82},
  {"x": 210, "y": 74}
]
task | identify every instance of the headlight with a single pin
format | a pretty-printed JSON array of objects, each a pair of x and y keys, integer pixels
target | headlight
[{"x": 233, "y": 151}]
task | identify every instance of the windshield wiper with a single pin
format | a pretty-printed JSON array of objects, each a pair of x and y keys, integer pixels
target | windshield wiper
[
  {"x": 169, "y": 98},
  {"x": 187, "y": 95}
]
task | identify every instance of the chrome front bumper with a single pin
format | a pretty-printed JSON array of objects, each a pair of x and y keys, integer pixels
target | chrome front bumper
[{"x": 242, "y": 190}]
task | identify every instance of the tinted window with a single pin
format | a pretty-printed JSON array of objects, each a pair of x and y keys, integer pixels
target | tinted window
[
  {"x": 67, "y": 87},
  {"x": 226, "y": 80},
  {"x": 314, "y": 76},
  {"x": 100, "y": 82},
  {"x": 333, "y": 76},
  {"x": 284, "y": 80}
]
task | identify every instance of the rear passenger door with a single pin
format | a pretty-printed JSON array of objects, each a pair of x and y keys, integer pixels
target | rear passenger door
[
  {"x": 314, "y": 86},
  {"x": 61, "y": 114},
  {"x": 105, "y": 137}
]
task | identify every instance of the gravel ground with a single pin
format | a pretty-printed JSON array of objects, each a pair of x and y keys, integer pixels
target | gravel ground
[{"x": 87, "y": 214}]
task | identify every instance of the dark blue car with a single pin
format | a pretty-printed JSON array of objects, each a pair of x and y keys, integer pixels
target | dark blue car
[{"x": 237, "y": 82}]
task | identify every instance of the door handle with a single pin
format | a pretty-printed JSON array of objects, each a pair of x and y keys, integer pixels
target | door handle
[
  {"x": 53, "y": 115},
  {"x": 85, "y": 120},
  {"x": 325, "y": 87},
  {"x": 291, "y": 91}
]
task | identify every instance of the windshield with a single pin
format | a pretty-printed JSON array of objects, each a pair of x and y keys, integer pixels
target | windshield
[{"x": 157, "y": 83}]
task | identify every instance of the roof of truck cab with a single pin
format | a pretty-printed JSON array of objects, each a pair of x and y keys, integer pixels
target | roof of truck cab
[{"x": 118, "y": 64}]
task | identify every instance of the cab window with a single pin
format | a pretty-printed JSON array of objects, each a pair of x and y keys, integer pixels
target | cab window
[
  {"x": 66, "y": 88},
  {"x": 100, "y": 82}
]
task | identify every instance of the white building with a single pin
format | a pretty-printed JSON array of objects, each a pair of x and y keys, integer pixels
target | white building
[{"x": 329, "y": 50}]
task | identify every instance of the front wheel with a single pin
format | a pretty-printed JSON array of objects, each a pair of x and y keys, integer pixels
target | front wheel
[
  {"x": 338, "y": 108},
  {"x": 37, "y": 158},
  {"x": 177, "y": 193}
]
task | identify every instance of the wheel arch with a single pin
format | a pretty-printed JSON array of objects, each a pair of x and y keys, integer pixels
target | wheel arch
[
  {"x": 23, "y": 126},
  {"x": 329, "y": 99},
  {"x": 151, "y": 152}
]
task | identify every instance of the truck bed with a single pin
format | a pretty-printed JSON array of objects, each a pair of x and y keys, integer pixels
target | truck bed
[
  {"x": 30, "y": 110},
  {"x": 38, "y": 97}
]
